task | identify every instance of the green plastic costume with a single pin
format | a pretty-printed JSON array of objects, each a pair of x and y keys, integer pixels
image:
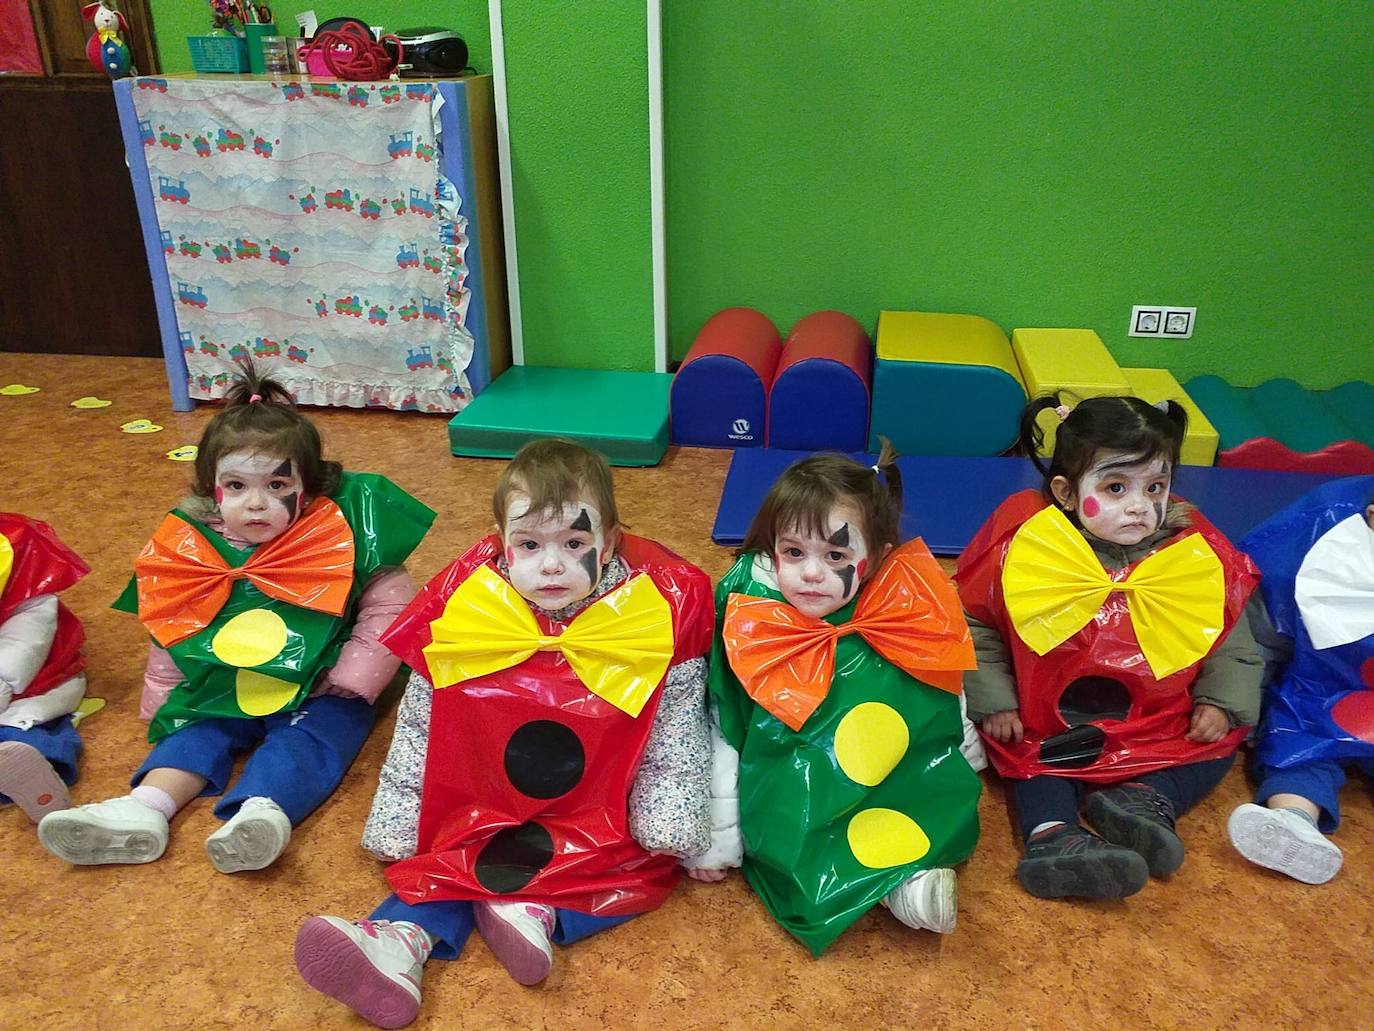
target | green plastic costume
[
  {"x": 806, "y": 821},
  {"x": 279, "y": 649}
]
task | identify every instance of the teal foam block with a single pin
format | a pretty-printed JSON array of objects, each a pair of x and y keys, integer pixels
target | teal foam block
[
  {"x": 1279, "y": 409},
  {"x": 623, "y": 415},
  {"x": 936, "y": 408}
]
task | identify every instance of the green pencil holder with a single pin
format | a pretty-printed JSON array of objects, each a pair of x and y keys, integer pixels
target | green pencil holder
[{"x": 254, "y": 34}]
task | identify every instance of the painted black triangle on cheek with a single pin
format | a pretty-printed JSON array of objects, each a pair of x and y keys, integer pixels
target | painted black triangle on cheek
[
  {"x": 589, "y": 563},
  {"x": 290, "y": 502},
  {"x": 840, "y": 538},
  {"x": 846, "y": 576}
]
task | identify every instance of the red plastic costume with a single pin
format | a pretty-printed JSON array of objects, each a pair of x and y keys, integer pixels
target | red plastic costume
[
  {"x": 528, "y": 773},
  {"x": 42, "y": 564},
  {"x": 1069, "y": 731}
]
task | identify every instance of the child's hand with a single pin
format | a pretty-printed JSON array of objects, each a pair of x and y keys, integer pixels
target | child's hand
[
  {"x": 1004, "y": 727},
  {"x": 709, "y": 876},
  {"x": 1209, "y": 724}
]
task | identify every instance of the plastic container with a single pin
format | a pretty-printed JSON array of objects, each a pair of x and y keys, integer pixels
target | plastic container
[
  {"x": 255, "y": 33},
  {"x": 211, "y": 54},
  {"x": 276, "y": 55}
]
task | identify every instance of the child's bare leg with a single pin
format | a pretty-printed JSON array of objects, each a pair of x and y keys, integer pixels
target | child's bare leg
[
  {"x": 1287, "y": 801},
  {"x": 178, "y": 785}
]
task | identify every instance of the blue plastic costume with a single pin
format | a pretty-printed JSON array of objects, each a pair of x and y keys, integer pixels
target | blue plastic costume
[{"x": 1317, "y": 557}]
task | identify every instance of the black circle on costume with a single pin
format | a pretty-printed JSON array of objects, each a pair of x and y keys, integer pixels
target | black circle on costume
[
  {"x": 1074, "y": 748},
  {"x": 513, "y": 858},
  {"x": 1089, "y": 699},
  {"x": 544, "y": 759}
]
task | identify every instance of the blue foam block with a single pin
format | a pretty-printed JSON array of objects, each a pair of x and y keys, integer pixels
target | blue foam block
[
  {"x": 717, "y": 401},
  {"x": 818, "y": 403},
  {"x": 949, "y": 498}
]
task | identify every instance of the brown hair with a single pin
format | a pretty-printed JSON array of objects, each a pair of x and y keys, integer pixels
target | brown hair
[
  {"x": 554, "y": 472},
  {"x": 1127, "y": 424},
  {"x": 803, "y": 496},
  {"x": 270, "y": 425}
]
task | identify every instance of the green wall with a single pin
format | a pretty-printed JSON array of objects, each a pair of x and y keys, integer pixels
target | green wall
[
  {"x": 1045, "y": 164},
  {"x": 577, "y": 87},
  {"x": 174, "y": 20}
]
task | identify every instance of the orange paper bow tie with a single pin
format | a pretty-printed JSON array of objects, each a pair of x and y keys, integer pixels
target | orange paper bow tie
[
  {"x": 183, "y": 581},
  {"x": 910, "y": 614}
]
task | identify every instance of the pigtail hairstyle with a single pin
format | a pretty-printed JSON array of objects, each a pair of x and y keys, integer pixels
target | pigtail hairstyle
[
  {"x": 803, "y": 496},
  {"x": 260, "y": 415},
  {"x": 1125, "y": 424}
]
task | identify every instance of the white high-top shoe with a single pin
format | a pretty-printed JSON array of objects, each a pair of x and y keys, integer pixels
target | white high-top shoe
[
  {"x": 119, "y": 830},
  {"x": 927, "y": 901},
  {"x": 1283, "y": 841},
  {"x": 371, "y": 966},
  {"x": 251, "y": 839}
]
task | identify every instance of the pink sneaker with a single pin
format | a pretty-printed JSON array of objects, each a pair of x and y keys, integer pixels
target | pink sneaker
[
  {"x": 518, "y": 935},
  {"x": 30, "y": 780},
  {"x": 371, "y": 966}
]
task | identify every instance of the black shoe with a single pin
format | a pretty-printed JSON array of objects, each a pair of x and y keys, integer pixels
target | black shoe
[
  {"x": 1070, "y": 862},
  {"x": 1140, "y": 818}
]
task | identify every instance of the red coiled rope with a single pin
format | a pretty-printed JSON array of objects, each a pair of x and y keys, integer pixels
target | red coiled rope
[{"x": 351, "y": 53}]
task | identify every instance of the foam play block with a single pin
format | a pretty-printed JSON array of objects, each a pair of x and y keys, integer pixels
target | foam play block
[
  {"x": 1073, "y": 360},
  {"x": 819, "y": 397},
  {"x": 944, "y": 385},
  {"x": 1156, "y": 385},
  {"x": 1282, "y": 425},
  {"x": 623, "y": 415},
  {"x": 720, "y": 392},
  {"x": 948, "y": 498}
]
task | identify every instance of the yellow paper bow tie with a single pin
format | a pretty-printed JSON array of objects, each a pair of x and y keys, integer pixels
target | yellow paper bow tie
[
  {"x": 1054, "y": 584},
  {"x": 619, "y": 647}
]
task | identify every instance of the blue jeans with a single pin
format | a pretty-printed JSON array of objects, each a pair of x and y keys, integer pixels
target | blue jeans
[
  {"x": 1319, "y": 782},
  {"x": 301, "y": 756},
  {"x": 1049, "y": 799},
  {"x": 57, "y": 741},
  {"x": 450, "y": 923}
]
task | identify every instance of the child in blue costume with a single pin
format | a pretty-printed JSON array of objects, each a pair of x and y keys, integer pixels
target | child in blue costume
[
  {"x": 1317, "y": 557},
  {"x": 265, "y": 594}
]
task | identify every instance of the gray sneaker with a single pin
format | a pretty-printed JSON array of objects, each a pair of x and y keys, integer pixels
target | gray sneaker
[
  {"x": 1070, "y": 862},
  {"x": 1141, "y": 819},
  {"x": 1283, "y": 841}
]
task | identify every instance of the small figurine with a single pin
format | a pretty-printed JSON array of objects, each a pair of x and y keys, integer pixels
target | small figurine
[{"x": 106, "y": 49}]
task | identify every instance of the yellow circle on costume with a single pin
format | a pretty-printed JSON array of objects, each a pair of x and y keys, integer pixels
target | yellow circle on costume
[
  {"x": 870, "y": 741},
  {"x": 880, "y": 838},
  {"x": 261, "y": 695},
  {"x": 6, "y": 560},
  {"x": 250, "y": 638}
]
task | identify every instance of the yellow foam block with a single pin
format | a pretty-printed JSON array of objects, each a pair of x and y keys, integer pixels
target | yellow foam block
[
  {"x": 1071, "y": 360},
  {"x": 922, "y": 336},
  {"x": 1155, "y": 385}
]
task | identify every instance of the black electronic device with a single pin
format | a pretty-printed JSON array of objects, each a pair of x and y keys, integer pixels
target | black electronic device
[{"x": 431, "y": 51}]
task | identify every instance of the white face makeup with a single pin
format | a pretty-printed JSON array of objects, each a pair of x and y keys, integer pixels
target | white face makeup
[
  {"x": 557, "y": 559},
  {"x": 820, "y": 575},
  {"x": 258, "y": 495},
  {"x": 1120, "y": 498}
]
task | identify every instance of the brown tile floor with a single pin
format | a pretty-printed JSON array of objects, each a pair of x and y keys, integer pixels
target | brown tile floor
[{"x": 174, "y": 944}]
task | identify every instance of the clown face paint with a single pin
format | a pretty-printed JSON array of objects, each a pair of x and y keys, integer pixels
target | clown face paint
[
  {"x": 1120, "y": 498},
  {"x": 557, "y": 559},
  {"x": 819, "y": 575},
  {"x": 259, "y": 495}
]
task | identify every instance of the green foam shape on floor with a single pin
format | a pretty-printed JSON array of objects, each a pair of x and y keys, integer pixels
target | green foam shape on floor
[
  {"x": 623, "y": 415},
  {"x": 1300, "y": 418}
]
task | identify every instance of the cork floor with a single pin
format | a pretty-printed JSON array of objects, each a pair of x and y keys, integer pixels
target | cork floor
[{"x": 173, "y": 944}]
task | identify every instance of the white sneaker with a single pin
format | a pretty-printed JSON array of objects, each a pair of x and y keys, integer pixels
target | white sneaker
[
  {"x": 926, "y": 901},
  {"x": 371, "y": 966},
  {"x": 120, "y": 830},
  {"x": 1283, "y": 841},
  {"x": 251, "y": 839},
  {"x": 518, "y": 935}
]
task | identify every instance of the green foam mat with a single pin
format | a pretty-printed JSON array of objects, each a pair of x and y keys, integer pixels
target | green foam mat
[{"x": 623, "y": 415}]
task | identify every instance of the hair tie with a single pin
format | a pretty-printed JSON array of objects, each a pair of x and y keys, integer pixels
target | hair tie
[
  {"x": 254, "y": 399},
  {"x": 1062, "y": 411},
  {"x": 876, "y": 470}
]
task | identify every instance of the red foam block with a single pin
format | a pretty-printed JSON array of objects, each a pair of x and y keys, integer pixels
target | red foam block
[
  {"x": 741, "y": 333},
  {"x": 833, "y": 335}
]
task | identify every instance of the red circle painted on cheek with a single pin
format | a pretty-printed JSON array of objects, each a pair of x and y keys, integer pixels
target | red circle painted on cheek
[
  {"x": 1354, "y": 714},
  {"x": 861, "y": 569},
  {"x": 510, "y": 556},
  {"x": 1091, "y": 507},
  {"x": 219, "y": 495}
]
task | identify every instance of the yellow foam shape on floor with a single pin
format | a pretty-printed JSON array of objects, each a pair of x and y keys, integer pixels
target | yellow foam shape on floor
[
  {"x": 922, "y": 336},
  {"x": 1073, "y": 360},
  {"x": 1155, "y": 385}
]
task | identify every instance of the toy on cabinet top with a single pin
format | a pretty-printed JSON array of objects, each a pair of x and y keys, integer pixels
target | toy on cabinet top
[{"x": 106, "y": 49}]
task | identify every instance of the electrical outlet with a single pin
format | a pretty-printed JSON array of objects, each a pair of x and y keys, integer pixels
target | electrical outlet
[{"x": 1162, "y": 320}]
